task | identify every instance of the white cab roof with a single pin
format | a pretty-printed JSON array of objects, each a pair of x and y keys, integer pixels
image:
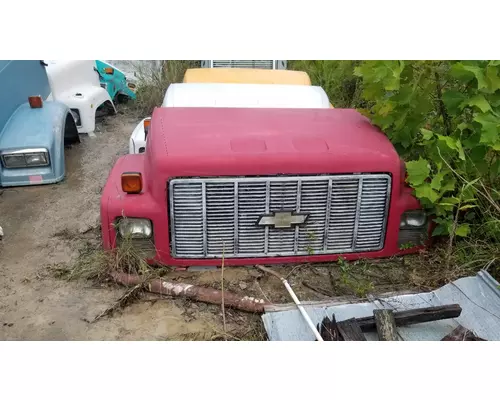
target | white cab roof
[{"x": 235, "y": 95}]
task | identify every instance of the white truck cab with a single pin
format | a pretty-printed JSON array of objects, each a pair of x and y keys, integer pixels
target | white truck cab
[
  {"x": 264, "y": 64},
  {"x": 76, "y": 84},
  {"x": 231, "y": 95}
]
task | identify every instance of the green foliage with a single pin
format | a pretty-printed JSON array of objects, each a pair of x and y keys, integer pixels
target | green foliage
[
  {"x": 360, "y": 286},
  {"x": 444, "y": 119},
  {"x": 154, "y": 78},
  {"x": 336, "y": 78}
]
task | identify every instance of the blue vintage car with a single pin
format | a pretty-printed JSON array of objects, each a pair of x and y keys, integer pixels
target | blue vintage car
[
  {"x": 115, "y": 82},
  {"x": 33, "y": 129}
]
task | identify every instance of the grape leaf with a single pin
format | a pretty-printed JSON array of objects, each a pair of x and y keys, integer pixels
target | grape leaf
[
  {"x": 449, "y": 185},
  {"x": 440, "y": 230},
  {"x": 493, "y": 78},
  {"x": 489, "y": 123},
  {"x": 386, "y": 108},
  {"x": 393, "y": 74},
  {"x": 460, "y": 150},
  {"x": 425, "y": 191},
  {"x": 468, "y": 72},
  {"x": 450, "y": 200},
  {"x": 438, "y": 178},
  {"x": 426, "y": 134},
  {"x": 478, "y": 101},
  {"x": 453, "y": 144},
  {"x": 462, "y": 230},
  {"x": 418, "y": 171},
  {"x": 452, "y": 99},
  {"x": 479, "y": 75}
]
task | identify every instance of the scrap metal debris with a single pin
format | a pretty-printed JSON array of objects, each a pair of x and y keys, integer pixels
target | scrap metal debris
[{"x": 467, "y": 309}]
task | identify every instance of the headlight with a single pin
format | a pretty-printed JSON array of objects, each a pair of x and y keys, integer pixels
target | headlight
[
  {"x": 14, "y": 161},
  {"x": 76, "y": 116},
  {"x": 26, "y": 158},
  {"x": 135, "y": 228},
  {"x": 413, "y": 219},
  {"x": 33, "y": 159}
]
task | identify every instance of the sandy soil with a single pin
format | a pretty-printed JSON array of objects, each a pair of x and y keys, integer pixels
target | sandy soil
[{"x": 46, "y": 225}]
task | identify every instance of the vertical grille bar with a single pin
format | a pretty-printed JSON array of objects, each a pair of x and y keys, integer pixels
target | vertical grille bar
[
  {"x": 327, "y": 216},
  {"x": 268, "y": 200},
  {"x": 358, "y": 203},
  {"x": 204, "y": 209},
  {"x": 299, "y": 198},
  {"x": 236, "y": 218},
  {"x": 172, "y": 219}
]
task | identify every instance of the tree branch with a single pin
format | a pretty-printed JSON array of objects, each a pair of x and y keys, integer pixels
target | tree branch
[{"x": 442, "y": 108}]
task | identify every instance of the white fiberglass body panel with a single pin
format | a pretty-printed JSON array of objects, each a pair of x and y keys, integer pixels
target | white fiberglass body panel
[
  {"x": 76, "y": 84},
  {"x": 231, "y": 95}
]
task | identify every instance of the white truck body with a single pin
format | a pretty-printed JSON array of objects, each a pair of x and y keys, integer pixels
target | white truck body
[
  {"x": 76, "y": 84},
  {"x": 232, "y": 95}
]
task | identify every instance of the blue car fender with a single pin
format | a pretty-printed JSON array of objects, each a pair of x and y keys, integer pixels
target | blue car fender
[{"x": 50, "y": 127}]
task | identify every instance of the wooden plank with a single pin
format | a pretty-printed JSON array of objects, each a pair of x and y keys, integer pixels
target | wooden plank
[
  {"x": 350, "y": 331},
  {"x": 461, "y": 334},
  {"x": 328, "y": 329},
  {"x": 386, "y": 325},
  {"x": 415, "y": 316}
]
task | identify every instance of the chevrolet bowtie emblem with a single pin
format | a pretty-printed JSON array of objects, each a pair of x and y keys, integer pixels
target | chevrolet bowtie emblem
[{"x": 282, "y": 219}]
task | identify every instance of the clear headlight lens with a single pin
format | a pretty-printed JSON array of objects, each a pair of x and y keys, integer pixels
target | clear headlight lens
[
  {"x": 33, "y": 159},
  {"x": 28, "y": 159},
  {"x": 413, "y": 219},
  {"x": 14, "y": 161},
  {"x": 135, "y": 228}
]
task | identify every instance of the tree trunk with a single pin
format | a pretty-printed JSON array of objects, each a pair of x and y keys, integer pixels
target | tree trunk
[{"x": 197, "y": 293}]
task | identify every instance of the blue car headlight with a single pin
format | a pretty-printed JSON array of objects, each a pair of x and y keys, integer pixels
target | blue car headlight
[{"x": 26, "y": 158}]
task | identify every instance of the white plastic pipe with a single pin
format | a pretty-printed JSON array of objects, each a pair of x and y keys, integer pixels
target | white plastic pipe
[{"x": 302, "y": 310}]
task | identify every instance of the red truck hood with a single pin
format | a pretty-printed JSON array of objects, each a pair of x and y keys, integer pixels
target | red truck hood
[{"x": 230, "y": 141}]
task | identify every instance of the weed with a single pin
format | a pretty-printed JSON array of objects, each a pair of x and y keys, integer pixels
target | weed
[
  {"x": 154, "y": 77},
  {"x": 95, "y": 264},
  {"x": 360, "y": 286},
  {"x": 406, "y": 246}
]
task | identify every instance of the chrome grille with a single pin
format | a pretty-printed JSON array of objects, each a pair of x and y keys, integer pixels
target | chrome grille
[
  {"x": 263, "y": 64},
  {"x": 210, "y": 217}
]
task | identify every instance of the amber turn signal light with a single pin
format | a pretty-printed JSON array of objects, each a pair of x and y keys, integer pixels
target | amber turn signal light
[
  {"x": 109, "y": 70},
  {"x": 147, "y": 123},
  {"x": 132, "y": 182},
  {"x": 35, "y": 101}
]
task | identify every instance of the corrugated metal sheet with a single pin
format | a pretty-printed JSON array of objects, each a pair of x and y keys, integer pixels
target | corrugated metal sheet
[{"x": 479, "y": 297}]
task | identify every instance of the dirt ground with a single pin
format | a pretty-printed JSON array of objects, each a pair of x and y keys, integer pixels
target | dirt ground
[{"x": 47, "y": 225}]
